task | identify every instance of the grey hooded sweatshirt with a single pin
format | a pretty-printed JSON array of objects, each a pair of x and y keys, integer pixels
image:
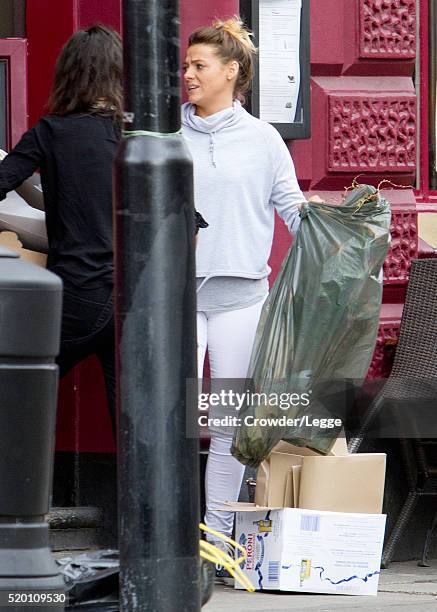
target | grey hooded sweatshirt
[{"x": 243, "y": 171}]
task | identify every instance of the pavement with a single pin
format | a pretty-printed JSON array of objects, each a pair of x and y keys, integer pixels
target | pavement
[{"x": 403, "y": 586}]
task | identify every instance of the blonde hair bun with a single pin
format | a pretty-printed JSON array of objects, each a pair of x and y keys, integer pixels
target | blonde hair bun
[{"x": 235, "y": 27}]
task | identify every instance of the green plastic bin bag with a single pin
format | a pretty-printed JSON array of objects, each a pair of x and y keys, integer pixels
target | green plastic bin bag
[{"x": 318, "y": 326}]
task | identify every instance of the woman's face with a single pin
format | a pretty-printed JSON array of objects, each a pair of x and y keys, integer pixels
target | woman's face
[{"x": 207, "y": 79}]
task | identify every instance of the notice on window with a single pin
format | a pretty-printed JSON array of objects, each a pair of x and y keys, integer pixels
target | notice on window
[{"x": 279, "y": 61}]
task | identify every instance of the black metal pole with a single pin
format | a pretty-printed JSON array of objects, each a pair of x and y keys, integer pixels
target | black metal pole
[{"x": 155, "y": 302}]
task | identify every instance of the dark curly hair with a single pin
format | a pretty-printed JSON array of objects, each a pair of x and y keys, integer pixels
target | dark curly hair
[{"x": 88, "y": 74}]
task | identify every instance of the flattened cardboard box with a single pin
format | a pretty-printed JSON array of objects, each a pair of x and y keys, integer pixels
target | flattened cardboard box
[
  {"x": 308, "y": 551},
  {"x": 354, "y": 483},
  {"x": 271, "y": 481},
  {"x": 343, "y": 483},
  {"x": 277, "y": 471},
  {"x": 339, "y": 448}
]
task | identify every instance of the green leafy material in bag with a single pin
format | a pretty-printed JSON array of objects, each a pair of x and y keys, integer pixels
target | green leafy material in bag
[{"x": 320, "y": 320}]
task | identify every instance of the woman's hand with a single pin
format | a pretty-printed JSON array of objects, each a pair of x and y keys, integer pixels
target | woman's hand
[{"x": 315, "y": 198}]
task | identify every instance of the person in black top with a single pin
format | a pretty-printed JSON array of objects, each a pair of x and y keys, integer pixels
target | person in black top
[{"x": 74, "y": 148}]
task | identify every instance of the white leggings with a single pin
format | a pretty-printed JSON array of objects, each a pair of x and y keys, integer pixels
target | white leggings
[{"x": 229, "y": 337}]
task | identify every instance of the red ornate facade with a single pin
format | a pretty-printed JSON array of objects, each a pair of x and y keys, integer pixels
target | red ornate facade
[
  {"x": 368, "y": 133},
  {"x": 388, "y": 29},
  {"x": 404, "y": 244},
  {"x": 386, "y": 343},
  {"x": 364, "y": 130}
]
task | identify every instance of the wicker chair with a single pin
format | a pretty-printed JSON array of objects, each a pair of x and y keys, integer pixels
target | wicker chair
[{"x": 412, "y": 381}]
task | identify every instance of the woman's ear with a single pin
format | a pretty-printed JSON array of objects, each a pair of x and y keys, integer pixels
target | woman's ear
[{"x": 233, "y": 69}]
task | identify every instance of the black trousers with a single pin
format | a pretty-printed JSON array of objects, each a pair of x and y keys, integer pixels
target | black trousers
[{"x": 88, "y": 329}]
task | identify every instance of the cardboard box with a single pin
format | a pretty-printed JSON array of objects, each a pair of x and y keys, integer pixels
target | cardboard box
[
  {"x": 275, "y": 483},
  {"x": 338, "y": 448},
  {"x": 343, "y": 483},
  {"x": 353, "y": 483},
  {"x": 10, "y": 241},
  {"x": 273, "y": 476},
  {"x": 291, "y": 497},
  {"x": 308, "y": 551}
]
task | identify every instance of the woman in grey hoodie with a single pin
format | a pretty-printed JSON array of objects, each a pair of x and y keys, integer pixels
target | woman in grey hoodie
[{"x": 243, "y": 172}]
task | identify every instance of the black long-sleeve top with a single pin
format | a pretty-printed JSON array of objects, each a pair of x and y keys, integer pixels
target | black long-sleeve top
[{"x": 75, "y": 155}]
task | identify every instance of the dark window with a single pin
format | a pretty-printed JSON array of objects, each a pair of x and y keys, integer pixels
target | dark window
[
  {"x": 12, "y": 19},
  {"x": 3, "y": 108}
]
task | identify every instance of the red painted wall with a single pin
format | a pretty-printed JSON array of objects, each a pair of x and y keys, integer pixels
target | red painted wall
[
  {"x": 49, "y": 24},
  {"x": 196, "y": 14},
  {"x": 107, "y": 12}
]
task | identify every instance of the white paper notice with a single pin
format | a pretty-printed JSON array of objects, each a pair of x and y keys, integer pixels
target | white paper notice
[{"x": 279, "y": 62}]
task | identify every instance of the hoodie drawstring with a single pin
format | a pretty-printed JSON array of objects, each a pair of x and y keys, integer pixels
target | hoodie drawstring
[
  {"x": 212, "y": 148},
  {"x": 211, "y": 125},
  {"x": 204, "y": 281}
]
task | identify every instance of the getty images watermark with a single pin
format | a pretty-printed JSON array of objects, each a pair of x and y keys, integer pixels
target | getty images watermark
[
  {"x": 281, "y": 401},
  {"x": 229, "y": 404},
  {"x": 402, "y": 407}
]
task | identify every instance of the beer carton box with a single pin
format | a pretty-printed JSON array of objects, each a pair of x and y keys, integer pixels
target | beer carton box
[{"x": 310, "y": 551}]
